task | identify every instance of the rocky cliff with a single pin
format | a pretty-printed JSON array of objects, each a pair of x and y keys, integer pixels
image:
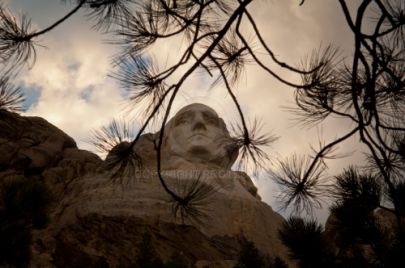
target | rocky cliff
[{"x": 96, "y": 221}]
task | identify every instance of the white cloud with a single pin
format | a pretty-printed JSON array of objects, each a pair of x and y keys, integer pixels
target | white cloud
[{"x": 71, "y": 73}]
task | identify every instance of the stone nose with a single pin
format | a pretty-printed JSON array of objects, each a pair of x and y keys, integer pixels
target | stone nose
[{"x": 198, "y": 123}]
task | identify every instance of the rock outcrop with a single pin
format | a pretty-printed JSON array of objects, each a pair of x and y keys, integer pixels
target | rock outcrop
[
  {"x": 97, "y": 221},
  {"x": 141, "y": 205},
  {"x": 33, "y": 148}
]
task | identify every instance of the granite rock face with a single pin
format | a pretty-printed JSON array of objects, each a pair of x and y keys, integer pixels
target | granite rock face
[
  {"x": 96, "y": 221},
  {"x": 141, "y": 205},
  {"x": 33, "y": 148}
]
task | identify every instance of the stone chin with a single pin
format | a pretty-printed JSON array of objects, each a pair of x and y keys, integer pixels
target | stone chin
[{"x": 198, "y": 150}]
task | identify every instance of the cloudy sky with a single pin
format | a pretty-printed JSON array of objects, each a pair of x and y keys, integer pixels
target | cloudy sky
[{"x": 70, "y": 87}]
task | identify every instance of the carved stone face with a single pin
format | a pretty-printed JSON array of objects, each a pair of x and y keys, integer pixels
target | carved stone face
[
  {"x": 197, "y": 134},
  {"x": 197, "y": 129}
]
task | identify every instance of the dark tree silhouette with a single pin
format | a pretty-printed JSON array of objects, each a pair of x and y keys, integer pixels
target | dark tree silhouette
[
  {"x": 24, "y": 207},
  {"x": 368, "y": 92},
  {"x": 11, "y": 98},
  {"x": 356, "y": 234},
  {"x": 306, "y": 243}
]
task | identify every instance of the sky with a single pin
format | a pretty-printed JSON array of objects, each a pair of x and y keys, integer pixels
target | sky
[{"x": 69, "y": 84}]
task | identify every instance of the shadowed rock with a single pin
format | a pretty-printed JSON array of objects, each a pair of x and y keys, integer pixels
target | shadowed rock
[{"x": 100, "y": 221}]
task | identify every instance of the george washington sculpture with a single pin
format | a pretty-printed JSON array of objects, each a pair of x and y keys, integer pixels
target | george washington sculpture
[{"x": 197, "y": 137}]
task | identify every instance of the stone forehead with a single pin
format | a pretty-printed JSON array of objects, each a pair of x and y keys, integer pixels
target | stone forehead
[{"x": 196, "y": 106}]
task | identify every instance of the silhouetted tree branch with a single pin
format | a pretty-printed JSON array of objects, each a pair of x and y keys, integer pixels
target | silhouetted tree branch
[{"x": 367, "y": 92}]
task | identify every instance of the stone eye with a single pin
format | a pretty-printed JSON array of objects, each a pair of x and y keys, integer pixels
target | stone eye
[
  {"x": 181, "y": 120},
  {"x": 211, "y": 120}
]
